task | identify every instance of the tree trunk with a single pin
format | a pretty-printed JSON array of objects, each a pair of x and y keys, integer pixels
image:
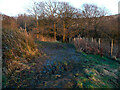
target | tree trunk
[
  {"x": 37, "y": 30},
  {"x": 54, "y": 31},
  {"x": 63, "y": 31},
  {"x": 112, "y": 47},
  {"x": 99, "y": 43}
]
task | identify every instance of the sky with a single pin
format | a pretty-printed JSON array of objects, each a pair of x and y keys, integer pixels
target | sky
[{"x": 15, "y": 7}]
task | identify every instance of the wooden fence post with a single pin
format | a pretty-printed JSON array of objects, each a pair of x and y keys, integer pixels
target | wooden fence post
[
  {"x": 92, "y": 39},
  {"x": 112, "y": 47},
  {"x": 99, "y": 43},
  {"x": 25, "y": 27},
  {"x": 74, "y": 39},
  {"x": 69, "y": 40}
]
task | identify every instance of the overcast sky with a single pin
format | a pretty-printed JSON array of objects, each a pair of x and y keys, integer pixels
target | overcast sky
[{"x": 15, "y": 7}]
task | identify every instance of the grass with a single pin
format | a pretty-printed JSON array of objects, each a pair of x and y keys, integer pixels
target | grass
[
  {"x": 92, "y": 71},
  {"x": 54, "y": 44},
  {"x": 18, "y": 49}
]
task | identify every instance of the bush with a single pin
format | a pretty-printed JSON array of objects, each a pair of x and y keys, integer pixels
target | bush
[{"x": 87, "y": 47}]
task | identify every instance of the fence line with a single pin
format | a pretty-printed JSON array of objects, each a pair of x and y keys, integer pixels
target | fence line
[{"x": 108, "y": 47}]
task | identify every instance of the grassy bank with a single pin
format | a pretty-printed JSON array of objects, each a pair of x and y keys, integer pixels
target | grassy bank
[{"x": 18, "y": 50}]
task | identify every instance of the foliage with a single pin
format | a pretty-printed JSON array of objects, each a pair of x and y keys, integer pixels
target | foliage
[
  {"x": 18, "y": 49},
  {"x": 87, "y": 47},
  {"x": 102, "y": 47}
]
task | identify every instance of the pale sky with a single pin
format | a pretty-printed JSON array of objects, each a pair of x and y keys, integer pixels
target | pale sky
[{"x": 15, "y": 7}]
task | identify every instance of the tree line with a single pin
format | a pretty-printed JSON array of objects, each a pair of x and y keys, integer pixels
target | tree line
[{"x": 62, "y": 21}]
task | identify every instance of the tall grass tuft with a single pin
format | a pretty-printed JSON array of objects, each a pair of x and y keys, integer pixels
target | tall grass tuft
[{"x": 18, "y": 49}]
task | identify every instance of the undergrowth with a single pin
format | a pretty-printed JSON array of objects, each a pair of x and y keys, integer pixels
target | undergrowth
[{"x": 18, "y": 49}]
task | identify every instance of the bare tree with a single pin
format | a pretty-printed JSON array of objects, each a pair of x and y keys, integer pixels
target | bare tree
[
  {"x": 66, "y": 14},
  {"x": 51, "y": 11},
  {"x": 92, "y": 15},
  {"x": 46, "y": 10}
]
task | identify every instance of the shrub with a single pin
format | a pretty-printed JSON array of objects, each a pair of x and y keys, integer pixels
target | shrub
[{"x": 86, "y": 46}]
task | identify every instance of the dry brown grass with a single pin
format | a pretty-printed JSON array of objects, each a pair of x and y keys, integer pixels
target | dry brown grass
[
  {"x": 18, "y": 49},
  {"x": 48, "y": 39},
  {"x": 86, "y": 46},
  {"x": 90, "y": 47}
]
